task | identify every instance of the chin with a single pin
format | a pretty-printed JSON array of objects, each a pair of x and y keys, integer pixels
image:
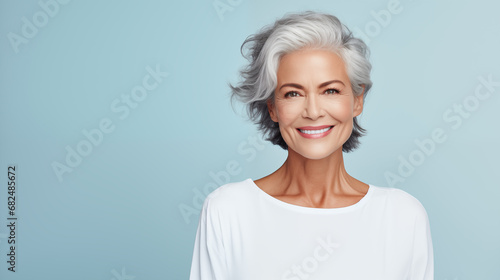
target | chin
[{"x": 317, "y": 153}]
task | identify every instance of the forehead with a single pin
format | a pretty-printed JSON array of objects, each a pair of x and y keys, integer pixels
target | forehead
[{"x": 311, "y": 65}]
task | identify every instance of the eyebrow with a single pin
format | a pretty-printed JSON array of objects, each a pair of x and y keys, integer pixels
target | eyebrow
[{"x": 320, "y": 86}]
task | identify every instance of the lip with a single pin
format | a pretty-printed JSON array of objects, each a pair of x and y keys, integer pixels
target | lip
[
  {"x": 318, "y": 135},
  {"x": 314, "y": 127}
]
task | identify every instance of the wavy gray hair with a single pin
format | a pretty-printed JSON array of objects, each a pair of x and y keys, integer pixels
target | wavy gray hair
[{"x": 290, "y": 33}]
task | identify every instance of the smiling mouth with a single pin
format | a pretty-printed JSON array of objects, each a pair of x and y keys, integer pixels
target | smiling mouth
[{"x": 318, "y": 131}]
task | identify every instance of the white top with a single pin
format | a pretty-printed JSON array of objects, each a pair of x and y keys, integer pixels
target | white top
[{"x": 245, "y": 233}]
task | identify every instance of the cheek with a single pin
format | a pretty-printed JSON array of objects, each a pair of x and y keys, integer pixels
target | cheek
[
  {"x": 342, "y": 110},
  {"x": 288, "y": 113}
]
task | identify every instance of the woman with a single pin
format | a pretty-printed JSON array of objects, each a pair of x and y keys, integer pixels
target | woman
[{"x": 304, "y": 86}]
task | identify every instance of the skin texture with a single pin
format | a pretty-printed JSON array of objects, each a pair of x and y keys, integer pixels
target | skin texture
[{"x": 313, "y": 174}]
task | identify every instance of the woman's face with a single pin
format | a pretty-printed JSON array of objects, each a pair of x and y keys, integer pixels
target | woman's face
[{"x": 314, "y": 102}]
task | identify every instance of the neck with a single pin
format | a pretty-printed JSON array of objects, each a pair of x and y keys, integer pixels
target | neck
[{"x": 316, "y": 179}]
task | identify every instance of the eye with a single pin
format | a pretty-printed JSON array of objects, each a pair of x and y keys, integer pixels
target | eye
[
  {"x": 291, "y": 94},
  {"x": 332, "y": 91}
]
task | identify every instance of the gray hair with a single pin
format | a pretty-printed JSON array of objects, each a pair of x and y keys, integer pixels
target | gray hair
[{"x": 290, "y": 33}]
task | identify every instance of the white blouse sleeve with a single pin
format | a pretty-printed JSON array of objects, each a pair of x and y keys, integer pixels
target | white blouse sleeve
[
  {"x": 209, "y": 262},
  {"x": 423, "y": 254}
]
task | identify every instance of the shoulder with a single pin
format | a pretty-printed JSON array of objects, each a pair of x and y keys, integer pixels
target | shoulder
[
  {"x": 229, "y": 195},
  {"x": 398, "y": 200}
]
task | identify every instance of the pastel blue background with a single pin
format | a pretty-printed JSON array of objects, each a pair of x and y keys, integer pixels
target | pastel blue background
[{"x": 118, "y": 213}]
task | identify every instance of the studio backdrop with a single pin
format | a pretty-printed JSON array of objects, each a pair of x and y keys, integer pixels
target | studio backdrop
[{"x": 115, "y": 123}]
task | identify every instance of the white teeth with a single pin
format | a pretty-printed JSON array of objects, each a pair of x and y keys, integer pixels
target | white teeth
[{"x": 315, "y": 131}]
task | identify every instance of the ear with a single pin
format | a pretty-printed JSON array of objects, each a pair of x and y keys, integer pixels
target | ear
[
  {"x": 272, "y": 110},
  {"x": 358, "y": 103}
]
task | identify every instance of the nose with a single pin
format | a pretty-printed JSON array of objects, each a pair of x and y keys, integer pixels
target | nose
[{"x": 312, "y": 107}]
